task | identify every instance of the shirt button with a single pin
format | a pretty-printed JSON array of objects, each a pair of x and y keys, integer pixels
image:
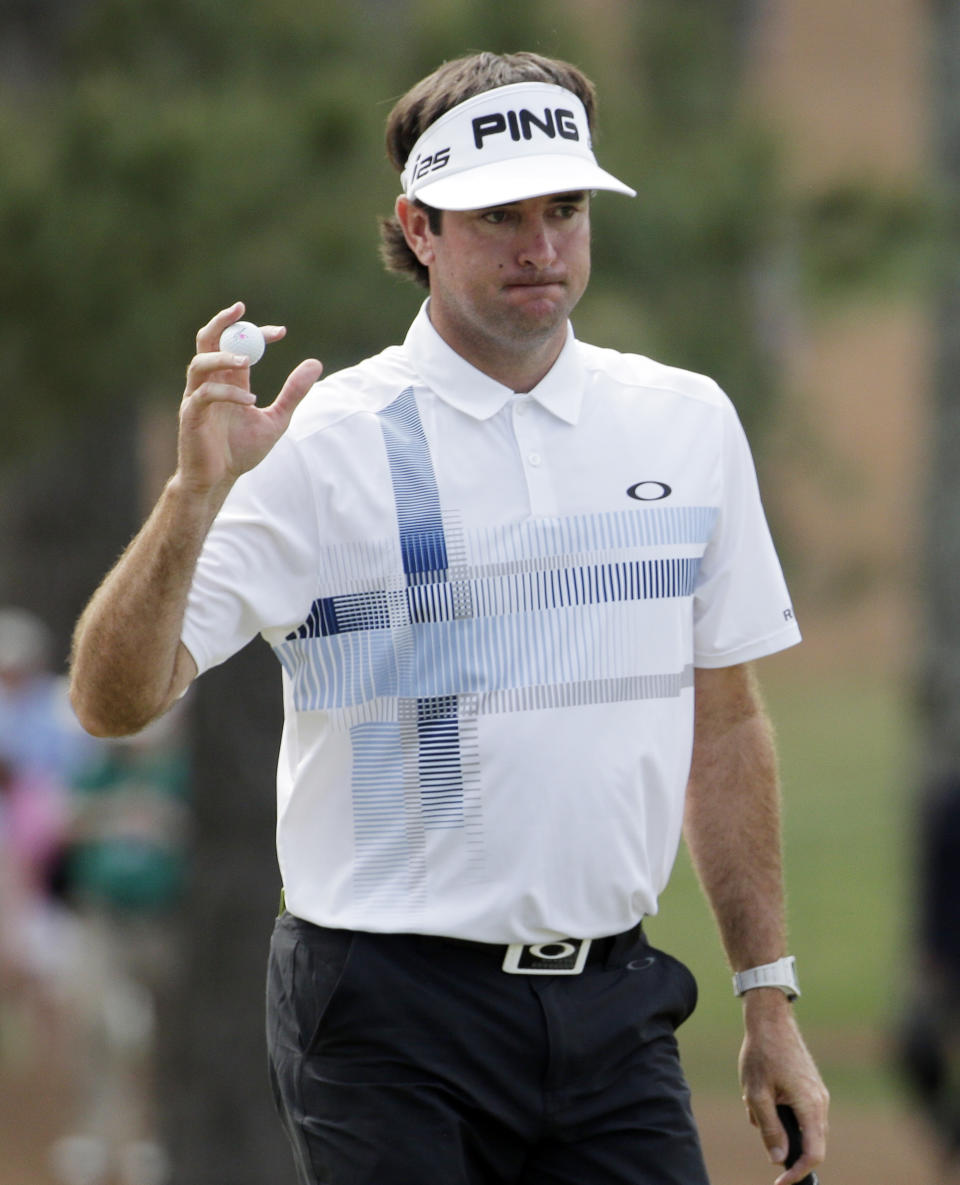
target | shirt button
[
  {"x": 534, "y": 459},
  {"x": 521, "y": 407}
]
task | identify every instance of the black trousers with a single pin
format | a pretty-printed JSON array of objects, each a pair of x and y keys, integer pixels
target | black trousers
[{"x": 406, "y": 1060}]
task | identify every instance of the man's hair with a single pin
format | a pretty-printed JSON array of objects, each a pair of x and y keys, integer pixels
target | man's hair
[{"x": 448, "y": 86}]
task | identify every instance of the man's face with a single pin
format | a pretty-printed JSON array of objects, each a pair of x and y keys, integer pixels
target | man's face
[{"x": 504, "y": 280}]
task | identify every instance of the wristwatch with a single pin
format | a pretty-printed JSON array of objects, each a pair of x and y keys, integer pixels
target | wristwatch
[{"x": 782, "y": 974}]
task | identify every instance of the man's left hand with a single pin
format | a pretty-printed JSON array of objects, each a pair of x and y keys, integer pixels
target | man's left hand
[{"x": 776, "y": 1067}]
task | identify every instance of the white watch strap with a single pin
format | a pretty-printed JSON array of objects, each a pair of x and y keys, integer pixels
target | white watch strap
[{"x": 782, "y": 974}]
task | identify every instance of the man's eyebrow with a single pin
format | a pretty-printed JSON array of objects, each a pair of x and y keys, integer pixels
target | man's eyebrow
[{"x": 559, "y": 199}]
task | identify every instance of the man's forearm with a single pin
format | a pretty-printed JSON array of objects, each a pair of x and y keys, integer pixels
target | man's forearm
[
  {"x": 127, "y": 665},
  {"x": 732, "y": 827},
  {"x": 732, "y": 822}
]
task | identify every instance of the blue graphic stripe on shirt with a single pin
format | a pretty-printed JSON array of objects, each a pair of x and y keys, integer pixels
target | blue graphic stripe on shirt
[
  {"x": 465, "y": 656},
  {"x": 341, "y": 671},
  {"x": 422, "y": 544},
  {"x": 364, "y": 565},
  {"x": 414, "y": 777},
  {"x": 441, "y": 778},
  {"x": 518, "y": 593},
  {"x": 389, "y": 851}
]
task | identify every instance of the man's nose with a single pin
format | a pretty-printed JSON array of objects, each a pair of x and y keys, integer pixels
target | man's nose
[{"x": 537, "y": 248}]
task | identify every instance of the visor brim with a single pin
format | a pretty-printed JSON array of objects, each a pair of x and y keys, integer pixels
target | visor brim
[{"x": 513, "y": 180}]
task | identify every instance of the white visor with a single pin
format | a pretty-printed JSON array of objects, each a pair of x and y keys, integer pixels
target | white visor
[{"x": 507, "y": 144}]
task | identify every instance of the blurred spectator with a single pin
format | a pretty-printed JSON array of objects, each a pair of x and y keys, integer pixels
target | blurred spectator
[
  {"x": 929, "y": 1039},
  {"x": 93, "y": 849},
  {"x": 41, "y": 749},
  {"x": 35, "y": 933},
  {"x": 38, "y": 731},
  {"x": 123, "y": 873}
]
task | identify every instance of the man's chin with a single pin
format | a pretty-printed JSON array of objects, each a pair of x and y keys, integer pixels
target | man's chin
[{"x": 538, "y": 310}]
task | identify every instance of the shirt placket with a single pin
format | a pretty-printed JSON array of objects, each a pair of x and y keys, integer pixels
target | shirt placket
[{"x": 534, "y": 454}]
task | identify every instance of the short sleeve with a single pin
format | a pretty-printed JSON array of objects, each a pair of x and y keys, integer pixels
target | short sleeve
[
  {"x": 742, "y": 608},
  {"x": 258, "y": 567}
]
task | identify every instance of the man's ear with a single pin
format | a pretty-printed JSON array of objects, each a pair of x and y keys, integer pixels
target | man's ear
[{"x": 416, "y": 229}]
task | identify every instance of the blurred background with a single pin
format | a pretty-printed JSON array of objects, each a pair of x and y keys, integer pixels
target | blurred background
[{"x": 796, "y": 237}]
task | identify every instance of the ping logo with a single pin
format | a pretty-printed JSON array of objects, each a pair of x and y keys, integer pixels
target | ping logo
[
  {"x": 649, "y": 491},
  {"x": 429, "y": 163},
  {"x": 521, "y": 125}
]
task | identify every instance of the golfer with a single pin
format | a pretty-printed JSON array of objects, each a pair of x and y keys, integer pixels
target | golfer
[{"x": 514, "y": 583}]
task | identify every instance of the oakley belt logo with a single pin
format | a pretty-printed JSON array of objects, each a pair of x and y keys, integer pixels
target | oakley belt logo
[
  {"x": 565, "y": 956},
  {"x": 649, "y": 491}
]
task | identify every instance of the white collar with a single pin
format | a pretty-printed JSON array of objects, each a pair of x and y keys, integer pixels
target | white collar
[{"x": 460, "y": 384}]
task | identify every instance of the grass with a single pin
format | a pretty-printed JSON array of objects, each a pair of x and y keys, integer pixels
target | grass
[{"x": 844, "y": 748}]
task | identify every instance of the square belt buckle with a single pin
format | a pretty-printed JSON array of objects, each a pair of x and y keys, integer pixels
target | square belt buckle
[{"x": 564, "y": 956}]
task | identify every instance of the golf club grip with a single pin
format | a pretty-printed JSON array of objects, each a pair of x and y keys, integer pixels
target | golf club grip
[{"x": 795, "y": 1149}]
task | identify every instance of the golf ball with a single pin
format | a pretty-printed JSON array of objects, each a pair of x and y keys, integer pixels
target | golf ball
[{"x": 243, "y": 337}]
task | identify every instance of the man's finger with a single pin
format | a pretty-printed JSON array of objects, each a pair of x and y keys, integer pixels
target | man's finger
[
  {"x": 798, "y": 1161},
  {"x": 221, "y": 393},
  {"x": 203, "y": 366},
  {"x": 298, "y": 383},
  {"x": 763, "y": 1114},
  {"x": 208, "y": 339},
  {"x": 801, "y": 1174}
]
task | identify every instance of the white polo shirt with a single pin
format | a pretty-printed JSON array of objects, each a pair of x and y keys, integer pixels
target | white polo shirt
[{"x": 488, "y": 608}]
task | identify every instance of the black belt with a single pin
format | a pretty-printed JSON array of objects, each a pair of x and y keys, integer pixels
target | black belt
[{"x": 559, "y": 956}]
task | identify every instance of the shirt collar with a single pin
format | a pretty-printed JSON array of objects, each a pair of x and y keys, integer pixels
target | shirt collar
[{"x": 469, "y": 390}]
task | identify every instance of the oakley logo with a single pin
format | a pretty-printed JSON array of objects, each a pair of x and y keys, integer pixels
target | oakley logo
[
  {"x": 649, "y": 491},
  {"x": 521, "y": 124},
  {"x": 554, "y": 950}
]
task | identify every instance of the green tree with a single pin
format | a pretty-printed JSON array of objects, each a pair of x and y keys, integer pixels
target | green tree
[{"x": 188, "y": 152}]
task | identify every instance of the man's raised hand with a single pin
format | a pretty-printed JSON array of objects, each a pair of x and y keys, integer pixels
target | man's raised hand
[{"x": 223, "y": 432}]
